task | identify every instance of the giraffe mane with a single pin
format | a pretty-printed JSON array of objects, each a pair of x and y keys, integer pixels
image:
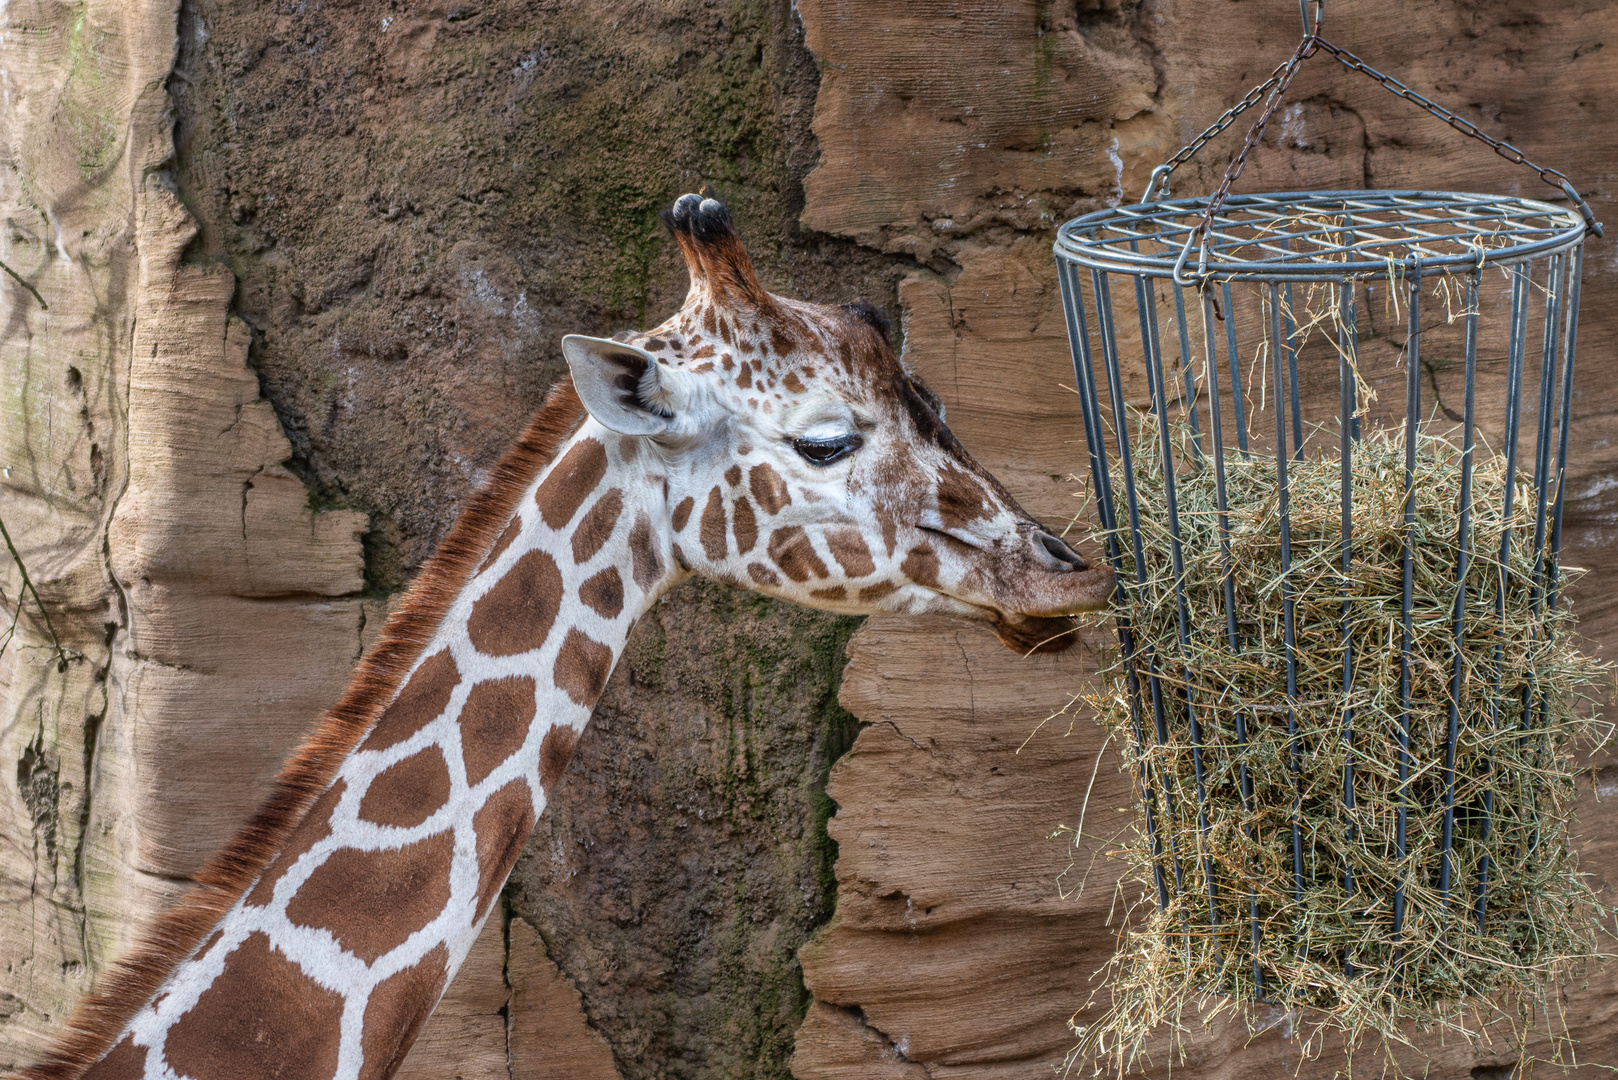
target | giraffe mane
[{"x": 175, "y": 934}]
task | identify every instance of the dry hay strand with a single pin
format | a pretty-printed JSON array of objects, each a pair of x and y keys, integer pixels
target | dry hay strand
[{"x": 1327, "y": 954}]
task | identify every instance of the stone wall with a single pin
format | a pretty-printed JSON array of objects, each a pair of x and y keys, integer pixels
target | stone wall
[{"x": 308, "y": 267}]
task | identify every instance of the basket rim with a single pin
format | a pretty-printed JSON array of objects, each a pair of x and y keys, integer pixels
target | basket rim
[{"x": 1102, "y": 240}]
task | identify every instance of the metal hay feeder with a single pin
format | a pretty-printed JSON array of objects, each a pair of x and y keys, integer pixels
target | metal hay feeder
[{"x": 1205, "y": 334}]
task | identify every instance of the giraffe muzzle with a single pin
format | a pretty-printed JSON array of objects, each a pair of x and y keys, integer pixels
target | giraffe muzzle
[{"x": 1053, "y": 554}]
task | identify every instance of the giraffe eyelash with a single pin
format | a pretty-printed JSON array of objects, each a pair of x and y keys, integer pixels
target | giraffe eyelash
[{"x": 823, "y": 452}]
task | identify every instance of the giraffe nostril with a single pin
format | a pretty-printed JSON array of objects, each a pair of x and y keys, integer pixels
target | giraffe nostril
[{"x": 1065, "y": 557}]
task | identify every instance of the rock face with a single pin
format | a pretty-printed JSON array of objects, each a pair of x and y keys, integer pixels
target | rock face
[
  {"x": 959, "y": 134},
  {"x": 284, "y": 343},
  {"x": 393, "y": 218}
]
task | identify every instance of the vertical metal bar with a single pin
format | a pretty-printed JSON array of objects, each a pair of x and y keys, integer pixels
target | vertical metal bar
[
  {"x": 1281, "y": 364},
  {"x": 1109, "y": 356},
  {"x": 1228, "y": 584},
  {"x": 1463, "y": 546},
  {"x": 1553, "y": 564},
  {"x": 1158, "y": 385},
  {"x": 1186, "y": 371},
  {"x": 1238, "y": 403},
  {"x": 1412, "y": 434},
  {"x": 1078, "y": 338},
  {"x": 1347, "y": 425},
  {"x": 1289, "y": 343},
  {"x": 1542, "y": 449},
  {"x": 1564, "y": 419},
  {"x": 1554, "y": 297},
  {"x": 1515, "y": 349},
  {"x": 1146, "y": 311}
]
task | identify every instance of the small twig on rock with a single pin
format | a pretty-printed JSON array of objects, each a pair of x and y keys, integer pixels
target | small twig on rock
[
  {"x": 27, "y": 286},
  {"x": 59, "y": 654}
]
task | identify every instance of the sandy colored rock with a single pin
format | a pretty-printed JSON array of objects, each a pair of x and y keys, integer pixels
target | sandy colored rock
[
  {"x": 397, "y": 216},
  {"x": 549, "y": 1037},
  {"x": 838, "y": 1043},
  {"x": 208, "y": 611},
  {"x": 934, "y": 813},
  {"x": 465, "y": 1038}
]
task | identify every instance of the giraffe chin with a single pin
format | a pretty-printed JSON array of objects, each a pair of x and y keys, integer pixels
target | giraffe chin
[{"x": 1037, "y": 634}]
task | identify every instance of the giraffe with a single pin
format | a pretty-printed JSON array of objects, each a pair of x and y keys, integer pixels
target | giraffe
[{"x": 762, "y": 441}]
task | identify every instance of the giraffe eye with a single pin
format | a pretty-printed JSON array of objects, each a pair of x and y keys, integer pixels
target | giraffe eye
[{"x": 821, "y": 452}]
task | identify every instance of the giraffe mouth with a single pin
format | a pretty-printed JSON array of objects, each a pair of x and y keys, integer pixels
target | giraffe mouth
[{"x": 1029, "y": 634}]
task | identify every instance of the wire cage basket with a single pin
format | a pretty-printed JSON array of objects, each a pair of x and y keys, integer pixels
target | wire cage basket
[{"x": 1328, "y": 469}]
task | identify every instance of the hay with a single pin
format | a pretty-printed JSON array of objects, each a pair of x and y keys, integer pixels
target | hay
[{"x": 1332, "y": 961}]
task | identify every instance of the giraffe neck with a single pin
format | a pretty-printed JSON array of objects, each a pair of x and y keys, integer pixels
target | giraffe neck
[{"x": 331, "y": 961}]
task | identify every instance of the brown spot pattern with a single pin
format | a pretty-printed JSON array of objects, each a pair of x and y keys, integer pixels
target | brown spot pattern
[
  {"x": 597, "y": 525},
  {"x": 781, "y": 342},
  {"x": 555, "y": 751},
  {"x": 604, "y": 593},
  {"x": 582, "y": 667},
  {"x": 744, "y": 377},
  {"x": 263, "y": 1002},
  {"x": 848, "y": 548},
  {"x": 876, "y": 592},
  {"x": 420, "y": 702},
  {"x": 371, "y": 901},
  {"x": 126, "y": 1061},
  {"x": 793, "y": 383},
  {"x": 645, "y": 566},
  {"x": 744, "y": 524},
  {"x": 315, "y": 827},
  {"x": 836, "y": 592},
  {"x": 407, "y": 792},
  {"x": 494, "y": 723},
  {"x": 762, "y": 575},
  {"x": 682, "y": 513},
  {"x": 501, "y": 544},
  {"x": 795, "y": 555},
  {"x": 961, "y": 499},
  {"x": 502, "y": 827},
  {"x": 890, "y": 529},
  {"x": 733, "y": 475},
  {"x": 769, "y": 490},
  {"x": 395, "y": 1011},
  {"x": 570, "y": 482},
  {"x": 712, "y": 533},
  {"x": 516, "y": 615},
  {"x": 921, "y": 566}
]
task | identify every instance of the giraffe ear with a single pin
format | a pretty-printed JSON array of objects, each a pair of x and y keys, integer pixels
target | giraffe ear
[{"x": 622, "y": 386}]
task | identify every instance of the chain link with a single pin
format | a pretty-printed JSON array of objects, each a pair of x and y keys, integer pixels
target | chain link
[
  {"x": 1273, "y": 91},
  {"x": 1160, "y": 175},
  {"x": 1554, "y": 177}
]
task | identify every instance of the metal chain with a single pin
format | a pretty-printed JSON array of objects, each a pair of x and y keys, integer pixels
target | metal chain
[
  {"x": 1274, "y": 89},
  {"x": 1283, "y": 79},
  {"x": 1160, "y": 175},
  {"x": 1554, "y": 177}
]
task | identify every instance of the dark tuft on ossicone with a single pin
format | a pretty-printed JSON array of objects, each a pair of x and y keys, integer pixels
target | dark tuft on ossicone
[{"x": 704, "y": 217}]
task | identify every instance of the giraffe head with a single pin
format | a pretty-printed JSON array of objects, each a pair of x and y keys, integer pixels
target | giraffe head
[{"x": 801, "y": 461}]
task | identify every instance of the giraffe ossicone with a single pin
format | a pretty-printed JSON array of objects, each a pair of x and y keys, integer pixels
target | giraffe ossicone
[{"x": 762, "y": 441}]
